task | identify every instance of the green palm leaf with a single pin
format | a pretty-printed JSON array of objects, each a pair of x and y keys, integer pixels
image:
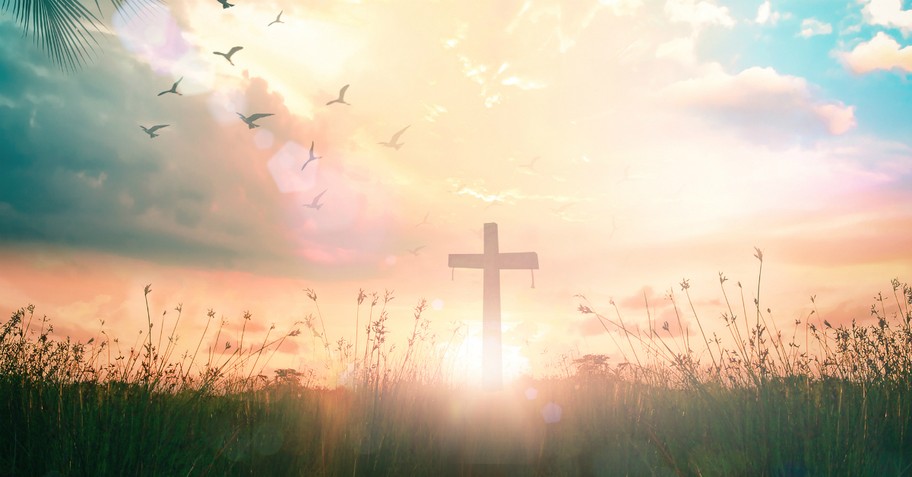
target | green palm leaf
[{"x": 63, "y": 28}]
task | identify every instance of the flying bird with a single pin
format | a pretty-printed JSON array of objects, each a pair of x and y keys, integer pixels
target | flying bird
[
  {"x": 341, "y": 98},
  {"x": 312, "y": 156},
  {"x": 415, "y": 250},
  {"x": 563, "y": 208},
  {"x": 394, "y": 141},
  {"x": 315, "y": 203},
  {"x": 225, "y": 4},
  {"x": 230, "y": 52},
  {"x": 424, "y": 221},
  {"x": 173, "y": 88},
  {"x": 253, "y": 117},
  {"x": 531, "y": 165},
  {"x": 277, "y": 20},
  {"x": 151, "y": 131}
]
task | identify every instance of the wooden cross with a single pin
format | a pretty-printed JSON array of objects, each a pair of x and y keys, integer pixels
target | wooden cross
[{"x": 492, "y": 261}]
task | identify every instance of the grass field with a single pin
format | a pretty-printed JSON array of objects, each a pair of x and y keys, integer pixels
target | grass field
[{"x": 827, "y": 401}]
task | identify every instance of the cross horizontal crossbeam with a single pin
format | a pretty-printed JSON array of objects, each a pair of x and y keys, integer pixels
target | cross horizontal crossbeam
[{"x": 502, "y": 261}]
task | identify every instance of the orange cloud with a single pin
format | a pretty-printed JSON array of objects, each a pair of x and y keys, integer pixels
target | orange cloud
[{"x": 881, "y": 53}]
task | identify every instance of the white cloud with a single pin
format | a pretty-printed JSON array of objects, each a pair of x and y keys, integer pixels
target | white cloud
[
  {"x": 698, "y": 13},
  {"x": 763, "y": 102},
  {"x": 678, "y": 49},
  {"x": 881, "y": 53},
  {"x": 622, "y": 7},
  {"x": 812, "y": 27},
  {"x": 766, "y": 14},
  {"x": 888, "y": 13}
]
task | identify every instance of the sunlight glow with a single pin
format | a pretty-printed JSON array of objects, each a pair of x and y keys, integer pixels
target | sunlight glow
[
  {"x": 157, "y": 39},
  {"x": 469, "y": 359}
]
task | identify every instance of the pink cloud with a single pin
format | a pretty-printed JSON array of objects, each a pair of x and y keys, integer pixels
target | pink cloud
[
  {"x": 762, "y": 98},
  {"x": 870, "y": 240},
  {"x": 591, "y": 326},
  {"x": 839, "y": 119}
]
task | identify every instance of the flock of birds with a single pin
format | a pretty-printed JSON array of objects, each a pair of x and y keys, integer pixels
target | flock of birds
[{"x": 250, "y": 120}]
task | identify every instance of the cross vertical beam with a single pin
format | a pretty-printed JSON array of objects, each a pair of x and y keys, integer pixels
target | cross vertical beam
[
  {"x": 492, "y": 262},
  {"x": 491, "y": 355}
]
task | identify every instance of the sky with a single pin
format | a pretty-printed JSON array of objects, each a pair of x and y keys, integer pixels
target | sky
[{"x": 631, "y": 144}]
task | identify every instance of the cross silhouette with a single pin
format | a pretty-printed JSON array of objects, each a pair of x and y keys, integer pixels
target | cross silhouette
[{"x": 492, "y": 261}]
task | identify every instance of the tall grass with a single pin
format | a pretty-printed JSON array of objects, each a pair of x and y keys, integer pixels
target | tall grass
[{"x": 818, "y": 400}]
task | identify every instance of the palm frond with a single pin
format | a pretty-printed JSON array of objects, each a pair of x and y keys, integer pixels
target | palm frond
[
  {"x": 130, "y": 7},
  {"x": 63, "y": 28}
]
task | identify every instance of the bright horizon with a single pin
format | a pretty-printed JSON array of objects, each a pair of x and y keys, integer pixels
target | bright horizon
[{"x": 630, "y": 144}]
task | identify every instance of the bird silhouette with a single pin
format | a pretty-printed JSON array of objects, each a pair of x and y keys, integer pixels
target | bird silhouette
[
  {"x": 312, "y": 157},
  {"x": 424, "y": 221},
  {"x": 151, "y": 131},
  {"x": 225, "y": 4},
  {"x": 253, "y": 117},
  {"x": 531, "y": 165},
  {"x": 341, "y": 98},
  {"x": 393, "y": 142},
  {"x": 173, "y": 88},
  {"x": 230, "y": 52},
  {"x": 415, "y": 250},
  {"x": 315, "y": 203},
  {"x": 563, "y": 208},
  {"x": 277, "y": 20}
]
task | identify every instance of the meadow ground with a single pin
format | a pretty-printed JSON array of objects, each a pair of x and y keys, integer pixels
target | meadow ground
[{"x": 762, "y": 405}]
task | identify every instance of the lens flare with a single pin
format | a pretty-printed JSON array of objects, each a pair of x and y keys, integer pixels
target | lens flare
[
  {"x": 150, "y": 32},
  {"x": 263, "y": 138}
]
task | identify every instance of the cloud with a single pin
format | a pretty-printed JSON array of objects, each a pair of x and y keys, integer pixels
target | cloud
[
  {"x": 886, "y": 239},
  {"x": 812, "y": 27},
  {"x": 79, "y": 172},
  {"x": 678, "y": 49},
  {"x": 766, "y": 14},
  {"x": 643, "y": 298},
  {"x": 622, "y": 7},
  {"x": 762, "y": 102},
  {"x": 698, "y": 13},
  {"x": 881, "y": 53},
  {"x": 888, "y": 13}
]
